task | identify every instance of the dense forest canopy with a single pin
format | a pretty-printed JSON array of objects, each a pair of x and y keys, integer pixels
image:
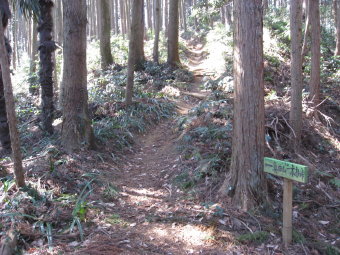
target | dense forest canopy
[{"x": 169, "y": 126}]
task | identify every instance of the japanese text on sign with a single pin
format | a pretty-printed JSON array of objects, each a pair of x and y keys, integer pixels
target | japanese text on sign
[{"x": 285, "y": 169}]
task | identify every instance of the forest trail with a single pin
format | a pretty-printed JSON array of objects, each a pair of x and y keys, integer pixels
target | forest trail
[{"x": 152, "y": 215}]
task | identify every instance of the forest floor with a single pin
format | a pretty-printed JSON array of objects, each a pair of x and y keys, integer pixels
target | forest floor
[
  {"x": 152, "y": 215},
  {"x": 130, "y": 203}
]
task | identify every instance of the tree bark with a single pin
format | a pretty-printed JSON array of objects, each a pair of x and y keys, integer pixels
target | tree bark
[
  {"x": 33, "y": 88},
  {"x": 9, "y": 99},
  {"x": 98, "y": 18},
  {"x": 105, "y": 34},
  {"x": 166, "y": 16},
  {"x": 157, "y": 30},
  {"x": 184, "y": 18},
  {"x": 307, "y": 31},
  {"x": 15, "y": 44},
  {"x": 122, "y": 17},
  {"x": 116, "y": 17},
  {"x": 128, "y": 18},
  {"x": 139, "y": 35},
  {"x": 4, "y": 129},
  {"x": 222, "y": 13},
  {"x": 135, "y": 40},
  {"x": 295, "y": 116},
  {"x": 336, "y": 8},
  {"x": 46, "y": 48},
  {"x": 228, "y": 15},
  {"x": 173, "y": 54},
  {"x": 149, "y": 13},
  {"x": 59, "y": 23},
  {"x": 246, "y": 181},
  {"x": 315, "y": 50},
  {"x": 76, "y": 128}
]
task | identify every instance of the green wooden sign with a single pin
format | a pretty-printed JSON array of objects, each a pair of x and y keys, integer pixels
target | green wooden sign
[{"x": 285, "y": 169}]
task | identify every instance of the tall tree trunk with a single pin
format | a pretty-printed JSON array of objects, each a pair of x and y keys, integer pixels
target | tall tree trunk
[
  {"x": 105, "y": 34},
  {"x": 149, "y": 13},
  {"x": 93, "y": 19},
  {"x": 98, "y": 18},
  {"x": 59, "y": 23},
  {"x": 184, "y": 17},
  {"x": 228, "y": 12},
  {"x": 173, "y": 54},
  {"x": 336, "y": 8},
  {"x": 76, "y": 128},
  {"x": 112, "y": 15},
  {"x": 246, "y": 181},
  {"x": 29, "y": 39},
  {"x": 116, "y": 17},
  {"x": 307, "y": 30},
  {"x": 122, "y": 17},
  {"x": 46, "y": 49},
  {"x": 33, "y": 89},
  {"x": 166, "y": 16},
  {"x": 222, "y": 13},
  {"x": 135, "y": 41},
  {"x": 9, "y": 98},
  {"x": 4, "y": 129},
  {"x": 295, "y": 116},
  {"x": 139, "y": 37},
  {"x": 315, "y": 50},
  {"x": 15, "y": 42},
  {"x": 128, "y": 18},
  {"x": 157, "y": 16}
]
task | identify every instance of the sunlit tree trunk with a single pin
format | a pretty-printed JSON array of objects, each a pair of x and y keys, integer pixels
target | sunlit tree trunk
[
  {"x": 98, "y": 18},
  {"x": 139, "y": 38},
  {"x": 76, "y": 128},
  {"x": 246, "y": 181},
  {"x": 307, "y": 30},
  {"x": 15, "y": 43},
  {"x": 33, "y": 89},
  {"x": 166, "y": 16},
  {"x": 184, "y": 18},
  {"x": 336, "y": 8},
  {"x": 122, "y": 17},
  {"x": 222, "y": 13},
  {"x": 116, "y": 17},
  {"x": 149, "y": 13},
  {"x": 105, "y": 34},
  {"x": 128, "y": 18},
  {"x": 9, "y": 98},
  {"x": 295, "y": 116},
  {"x": 134, "y": 43},
  {"x": 173, "y": 54},
  {"x": 46, "y": 49},
  {"x": 228, "y": 15},
  {"x": 315, "y": 50},
  {"x": 157, "y": 30}
]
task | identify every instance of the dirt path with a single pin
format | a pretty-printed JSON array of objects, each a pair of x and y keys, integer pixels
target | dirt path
[{"x": 152, "y": 215}]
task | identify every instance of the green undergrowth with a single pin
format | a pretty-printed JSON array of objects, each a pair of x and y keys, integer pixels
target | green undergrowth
[
  {"x": 116, "y": 122},
  {"x": 121, "y": 124},
  {"x": 205, "y": 140},
  {"x": 256, "y": 237}
]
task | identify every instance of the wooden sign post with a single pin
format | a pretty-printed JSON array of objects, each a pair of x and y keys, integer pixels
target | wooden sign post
[{"x": 291, "y": 172}]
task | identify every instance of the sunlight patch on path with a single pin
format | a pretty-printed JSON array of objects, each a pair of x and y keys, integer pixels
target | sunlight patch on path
[{"x": 191, "y": 236}]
